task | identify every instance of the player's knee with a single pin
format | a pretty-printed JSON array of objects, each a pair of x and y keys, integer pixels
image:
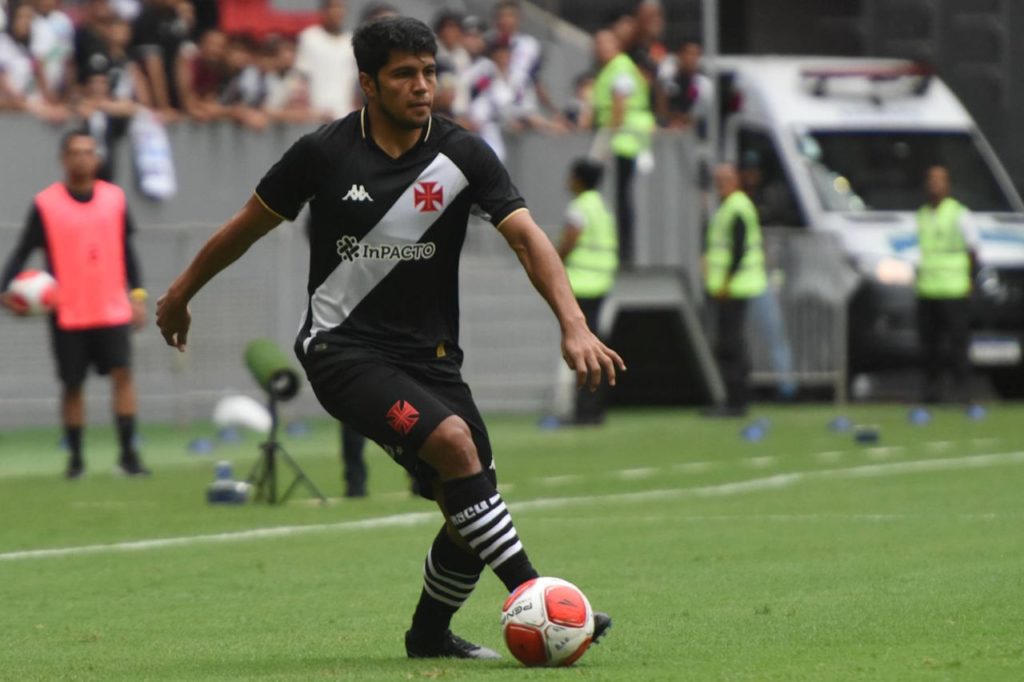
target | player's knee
[{"x": 450, "y": 449}]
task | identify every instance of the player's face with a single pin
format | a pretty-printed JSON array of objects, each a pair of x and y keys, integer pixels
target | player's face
[
  {"x": 80, "y": 159},
  {"x": 404, "y": 88}
]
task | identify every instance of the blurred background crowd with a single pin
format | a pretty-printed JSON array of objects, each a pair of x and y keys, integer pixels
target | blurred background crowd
[{"x": 98, "y": 61}]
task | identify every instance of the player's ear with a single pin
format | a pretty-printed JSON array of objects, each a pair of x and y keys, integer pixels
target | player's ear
[{"x": 368, "y": 85}]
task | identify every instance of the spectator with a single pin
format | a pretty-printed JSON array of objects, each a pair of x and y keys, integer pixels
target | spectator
[
  {"x": 245, "y": 91},
  {"x": 90, "y": 46},
  {"x": 474, "y": 39},
  {"x": 202, "y": 76},
  {"x": 683, "y": 95},
  {"x": 626, "y": 30},
  {"x": 52, "y": 44},
  {"x": 648, "y": 51},
  {"x": 287, "y": 88},
  {"x": 158, "y": 34},
  {"x": 124, "y": 77},
  {"x": 128, "y": 10},
  {"x": 110, "y": 97},
  {"x": 22, "y": 83},
  {"x": 325, "y": 56},
  {"x": 504, "y": 102},
  {"x": 377, "y": 10},
  {"x": 453, "y": 62},
  {"x": 526, "y": 55},
  {"x": 579, "y": 113}
]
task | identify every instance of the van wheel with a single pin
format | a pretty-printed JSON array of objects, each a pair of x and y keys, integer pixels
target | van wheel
[{"x": 1009, "y": 383}]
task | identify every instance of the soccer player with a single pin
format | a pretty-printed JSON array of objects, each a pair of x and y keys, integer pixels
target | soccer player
[
  {"x": 84, "y": 227},
  {"x": 390, "y": 189}
]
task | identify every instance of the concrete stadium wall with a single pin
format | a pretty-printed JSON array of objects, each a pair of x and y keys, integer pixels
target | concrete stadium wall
[{"x": 510, "y": 337}]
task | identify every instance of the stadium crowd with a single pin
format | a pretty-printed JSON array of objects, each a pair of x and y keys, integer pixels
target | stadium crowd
[{"x": 98, "y": 61}]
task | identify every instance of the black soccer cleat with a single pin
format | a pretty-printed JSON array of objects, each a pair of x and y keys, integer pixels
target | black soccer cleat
[
  {"x": 132, "y": 466},
  {"x": 74, "y": 471},
  {"x": 450, "y": 646},
  {"x": 602, "y": 624}
]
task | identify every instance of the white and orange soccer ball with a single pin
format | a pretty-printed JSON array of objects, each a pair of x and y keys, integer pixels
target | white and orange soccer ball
[
  {"x": 35, "y": 290},
  {"x": 547, "y": 622}
]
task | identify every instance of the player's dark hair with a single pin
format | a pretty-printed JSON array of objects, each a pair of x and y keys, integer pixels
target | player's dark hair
[
  {"x": 508, "y": 4},
  {"x": 374, "y": 42},
  {"x": 587, "y": 171},
  {"x": 65, "y": 139}
]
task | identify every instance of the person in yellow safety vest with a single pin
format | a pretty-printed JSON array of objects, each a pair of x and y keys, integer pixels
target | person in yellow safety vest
[
  {"x": 622, "y": 109},
  {"x": 589, "y": 249},
  {"x": 734, "y": 273},
  {"x": 948, "y": 241}
]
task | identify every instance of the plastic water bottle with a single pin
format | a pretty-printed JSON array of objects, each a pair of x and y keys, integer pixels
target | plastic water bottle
[{"x": 224, "y": 489}]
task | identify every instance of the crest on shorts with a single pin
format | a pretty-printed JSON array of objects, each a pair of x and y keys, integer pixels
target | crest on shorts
[{"x": 402, "y": 417}]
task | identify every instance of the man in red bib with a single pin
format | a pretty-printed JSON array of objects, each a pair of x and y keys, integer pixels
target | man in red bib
[{"x": 85, "y": 229}]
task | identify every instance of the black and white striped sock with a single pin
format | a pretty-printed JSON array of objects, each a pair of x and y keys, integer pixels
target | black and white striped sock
[
  {"x": 477, "y": 511},
  {"x": 449, "y": 576}
]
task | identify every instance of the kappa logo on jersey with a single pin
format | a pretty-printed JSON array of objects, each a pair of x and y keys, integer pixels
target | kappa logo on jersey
[
  {"x": 402, "y": 417},
  {"x": 428, "y": 196},
  {"x": 357, "y": 193},
  {"x": 349, "y": 248}
]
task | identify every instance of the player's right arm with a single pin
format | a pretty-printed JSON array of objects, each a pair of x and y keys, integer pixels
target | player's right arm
[
  {"x": 32, "y": 237},
  {"x": 222, "y": 249}
]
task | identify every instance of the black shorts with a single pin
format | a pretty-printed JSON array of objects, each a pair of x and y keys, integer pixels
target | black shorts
[
  {"x": 397, "y": 406},
  {"x": 105, "y": 348}
]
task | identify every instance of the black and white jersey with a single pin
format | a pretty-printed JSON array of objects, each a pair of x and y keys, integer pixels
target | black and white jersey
[{"x": 386, "y": 234}]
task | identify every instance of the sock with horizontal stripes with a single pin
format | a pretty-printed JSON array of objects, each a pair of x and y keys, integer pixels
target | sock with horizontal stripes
[
  {"x": 449, "y": 576},
  {"x": 477, "y": 511}
]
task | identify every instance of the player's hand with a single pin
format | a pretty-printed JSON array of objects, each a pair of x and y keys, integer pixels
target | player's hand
[
  {"x": 173, "y": 319},
  {"x": 138, "y": 315},
  {"x": 589, "y": 358},
  {"x": 15, "y": 304}
]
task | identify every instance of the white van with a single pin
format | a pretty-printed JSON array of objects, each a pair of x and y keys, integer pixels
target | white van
[{"x": 843, "y": 145}]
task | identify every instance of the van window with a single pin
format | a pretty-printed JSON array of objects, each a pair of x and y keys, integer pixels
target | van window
[
  {"x": 765, "y": 181},
  {"x": 884, "y": 171}
]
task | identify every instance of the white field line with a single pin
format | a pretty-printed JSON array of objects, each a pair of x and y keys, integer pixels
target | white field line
[
  {"x": 785, "y": 518},
  {"x": 828, "y": 456},
  {"x": 884, "y": 451},
  {"x": 634, "y": 474},
  {"x": 760, "y": 462},
  {"x": 693, "y": 467},
  {"x": 560, "y": 480},
  {"x": 416, "y": 518}
]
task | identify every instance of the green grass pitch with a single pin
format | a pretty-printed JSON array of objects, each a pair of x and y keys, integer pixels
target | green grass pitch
[{"x": 804, "y": 556}]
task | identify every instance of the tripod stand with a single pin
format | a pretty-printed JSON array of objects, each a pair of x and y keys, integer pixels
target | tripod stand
[{"x": 263, "y": 476}]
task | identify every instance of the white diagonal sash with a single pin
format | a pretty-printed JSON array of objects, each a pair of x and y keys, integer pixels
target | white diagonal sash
[{"x": 403, "y": 224}]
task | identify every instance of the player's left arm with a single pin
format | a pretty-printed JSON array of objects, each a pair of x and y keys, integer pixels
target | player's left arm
[
  {"x": 582, "y": 350},
  {"x": 136, "y": 293}
]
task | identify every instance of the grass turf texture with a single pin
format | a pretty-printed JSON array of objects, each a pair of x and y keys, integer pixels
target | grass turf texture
[{"x": 894, "y": 573}]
